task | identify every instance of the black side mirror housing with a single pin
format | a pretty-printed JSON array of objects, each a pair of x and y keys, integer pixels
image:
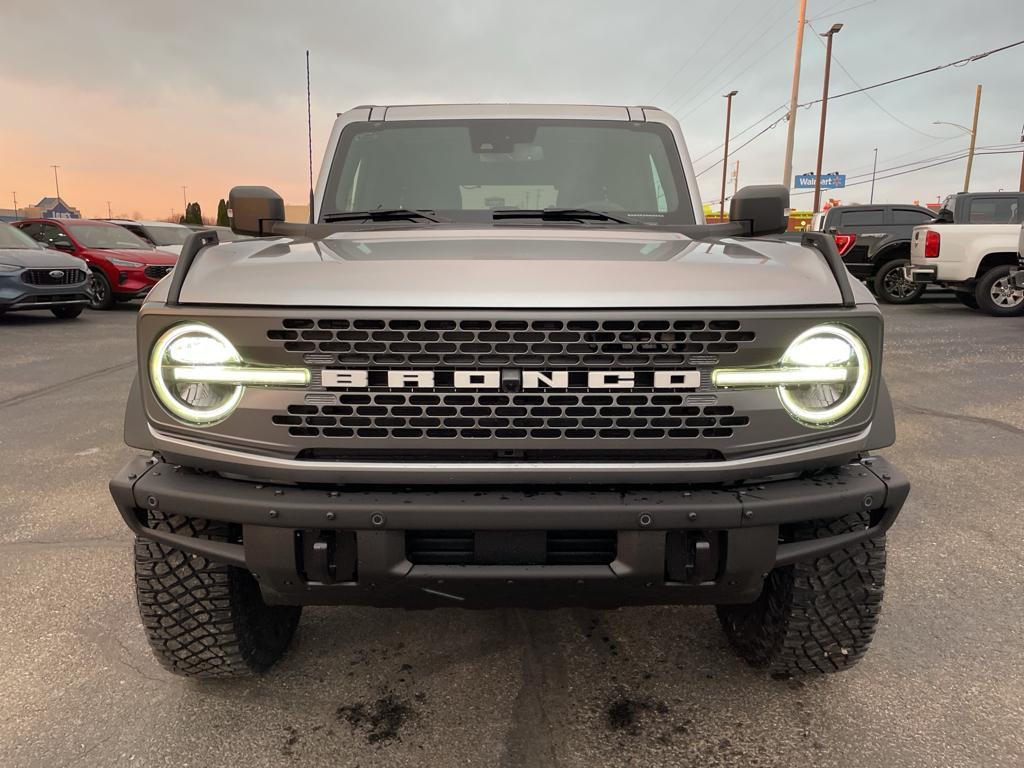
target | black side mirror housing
[
  {"x": 253, "y": 210},
  {"x": 762, "y": 208},
  {"x": 944, "y": 216}
]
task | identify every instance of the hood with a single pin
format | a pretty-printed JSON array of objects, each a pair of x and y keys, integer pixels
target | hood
[
  {"x": 144, "y": 257},
  {"x": 45, "y": 258},
  {"x": 510, "y": 268}
]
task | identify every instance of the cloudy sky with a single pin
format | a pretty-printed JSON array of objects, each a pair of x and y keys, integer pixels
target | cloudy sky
[{"x": 135, "y": 99}]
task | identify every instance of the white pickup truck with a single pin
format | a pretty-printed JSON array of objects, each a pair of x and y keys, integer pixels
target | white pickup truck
[{"x": 971, "y": 248}]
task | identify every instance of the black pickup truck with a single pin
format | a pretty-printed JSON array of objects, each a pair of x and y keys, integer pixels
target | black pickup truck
[{"x": 874, "y": 241}]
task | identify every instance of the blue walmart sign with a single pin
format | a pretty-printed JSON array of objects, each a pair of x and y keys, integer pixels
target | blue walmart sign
[{"x": 828, "y": 181}]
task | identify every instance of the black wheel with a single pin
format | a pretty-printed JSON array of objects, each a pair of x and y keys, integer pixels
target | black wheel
[
  {"x": 997, "y": 295},
  {"x": 67, "y": 312},
  {"x": 102, "y": 293},
  {"x": 202, "y": 618},
  {"x": 817, "y": 616},
  {"x": 892, "y": 287},
  {"x": 967, "y": 299}
]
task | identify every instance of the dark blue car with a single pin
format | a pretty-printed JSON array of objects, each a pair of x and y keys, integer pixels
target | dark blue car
[{"x": 34, "y": 277}]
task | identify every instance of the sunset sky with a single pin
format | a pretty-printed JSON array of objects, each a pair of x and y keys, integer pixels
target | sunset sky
[{"x": 135, "y": 99}]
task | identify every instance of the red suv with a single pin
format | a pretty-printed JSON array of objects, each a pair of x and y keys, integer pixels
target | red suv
[{"x": 124, "y": 266}]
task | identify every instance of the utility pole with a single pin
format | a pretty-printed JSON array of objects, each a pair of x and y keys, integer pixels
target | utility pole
[
  {"x": 725, "y": 159},
  {"x": 787, "y": 166},
  {"x": 874, "y": 167},
  {"x": 974, "y": 137},
  {"x": 184, "y": 199},
  {"x": 1021, "y": 161},
  {"x": 735, "y": 178},
  {"x": 15, "y": 204},
  {"x": 56, "y": 181},
  {"x": 109, "y": 214},
  {"x": 824, "y": 111}
]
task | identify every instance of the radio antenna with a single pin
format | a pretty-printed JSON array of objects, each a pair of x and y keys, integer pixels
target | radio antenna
[{"x": 309, "y": 133}]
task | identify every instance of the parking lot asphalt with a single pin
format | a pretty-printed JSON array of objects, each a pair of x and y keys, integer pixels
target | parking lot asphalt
[{"x": 943, "y": 684}]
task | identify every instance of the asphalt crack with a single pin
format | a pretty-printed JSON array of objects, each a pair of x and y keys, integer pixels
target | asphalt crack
[
  {"x": 25, "y": 396},
  {"x": 962, "y": 417}
]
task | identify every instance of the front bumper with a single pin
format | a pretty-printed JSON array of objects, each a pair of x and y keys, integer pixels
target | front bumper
[
  {"x": 344, "y": 545},
  {"x": 16, "y": 295},
  {"x": 921, "y": 275}
]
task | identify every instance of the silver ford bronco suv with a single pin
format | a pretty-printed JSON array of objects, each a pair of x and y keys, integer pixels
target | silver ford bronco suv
[{"x": 509, "y": 364}]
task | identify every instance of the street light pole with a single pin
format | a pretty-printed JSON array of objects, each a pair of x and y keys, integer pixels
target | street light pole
[
  {"x": 824, "y": 111},
  {"x": 184, "y": 199},
  {"x": 56, "y": 181},
  {"x": 725, "y": 159},
  {"x": 874, "y": 167},
  {"x": 787, "y": 166},
  {"x": 974, "y": 136}
]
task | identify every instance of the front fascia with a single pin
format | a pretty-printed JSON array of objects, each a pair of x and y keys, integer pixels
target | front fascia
[{"x": 249, "y": 443}]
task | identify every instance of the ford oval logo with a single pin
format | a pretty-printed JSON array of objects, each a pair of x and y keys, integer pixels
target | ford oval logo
[{"x": 55, "y": 273}]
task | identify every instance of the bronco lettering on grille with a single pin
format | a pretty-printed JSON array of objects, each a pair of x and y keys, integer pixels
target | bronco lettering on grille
[{"x": 514, "y": 380}]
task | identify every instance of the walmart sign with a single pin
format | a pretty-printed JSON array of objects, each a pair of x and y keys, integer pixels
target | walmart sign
[{"x": 828, "y": 181}]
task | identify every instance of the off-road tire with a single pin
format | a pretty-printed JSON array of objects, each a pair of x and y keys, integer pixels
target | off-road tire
[
  {"x": 890, "y": 286},
  {"x": 203, "y": 618},
  {"x": 990, "y": 282},
  {"x": 66, "y": 313},
  {"x": 817, "y": 616},
  {"x": 102, "y": 291}
]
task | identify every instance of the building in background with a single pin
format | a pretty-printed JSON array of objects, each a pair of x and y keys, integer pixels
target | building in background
[
  {"x": 49, "y": 208},
  {"x": 8, "y": 215}
]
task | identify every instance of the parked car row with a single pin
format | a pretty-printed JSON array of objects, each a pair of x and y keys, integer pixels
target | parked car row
[{"x": 970, "y": 246}]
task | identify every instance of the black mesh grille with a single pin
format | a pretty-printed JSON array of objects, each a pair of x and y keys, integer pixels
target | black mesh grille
[
  {"x": 552, "y": 548},
  {"x": 156, "y": 271},
  {"x": 548, "y": 343},
  {"x": 53, "y": 276},
  {"x": 583, "y": 416}
]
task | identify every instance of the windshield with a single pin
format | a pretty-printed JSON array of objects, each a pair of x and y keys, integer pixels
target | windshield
[
  {"x": 167, "y": 235},
  {"x": 466, "y": 169},
  {"x": 12, "y": 237},
  {"x": 106, "y": 236}
]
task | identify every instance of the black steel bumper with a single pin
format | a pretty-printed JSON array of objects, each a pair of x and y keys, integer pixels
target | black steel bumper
[{"x": 348, "y": 545}]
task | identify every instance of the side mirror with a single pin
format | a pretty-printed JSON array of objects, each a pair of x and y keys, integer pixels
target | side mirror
[
  {"x": 944, "y": 216},
  {"x": 762, "y": 208},
  {"x": 60, "y": 245},
  {"x": 252, "y": 210}
]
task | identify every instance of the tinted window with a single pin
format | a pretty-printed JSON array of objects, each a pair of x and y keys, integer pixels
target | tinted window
[
  {"x": 12, "y": 237},
  {"x": 905, "y": 216},
  {"x": 464, "y": 169},
  {"x": 994, "y": 210},
  {"x": 47, "y": 234},
  {"x": 107, "y": 236},
  {"x": 872, "y": 218}
]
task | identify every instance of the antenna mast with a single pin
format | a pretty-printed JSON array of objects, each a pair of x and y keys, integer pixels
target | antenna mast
[{"x": 309, "y": 133}]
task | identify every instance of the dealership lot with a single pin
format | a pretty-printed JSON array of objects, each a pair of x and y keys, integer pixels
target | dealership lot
[{"x": 942, "y": 684}]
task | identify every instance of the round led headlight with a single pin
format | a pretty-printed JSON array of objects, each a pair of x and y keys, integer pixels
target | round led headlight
[
  {"x": 832, "y": 370},
  {"x": 187, "y": 367}
]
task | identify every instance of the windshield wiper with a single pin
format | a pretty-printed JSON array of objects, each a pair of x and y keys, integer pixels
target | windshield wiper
[
  {"x": 383, "y": 214},
  {"x": 558, "y": 214}
]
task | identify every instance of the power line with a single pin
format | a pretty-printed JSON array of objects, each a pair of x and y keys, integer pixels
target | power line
[
  {"x": 958, "y": 63},
  {"x": 755, "y": 28},
  {"x": 806, "y": 105},
  {"x": 868, "y": 95},
  {"x": 831, "y": 10},
  {"x": 922, "y": 168},
  {"x": 693, "y": 55},
  {"x": 737, "y": 135}
]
